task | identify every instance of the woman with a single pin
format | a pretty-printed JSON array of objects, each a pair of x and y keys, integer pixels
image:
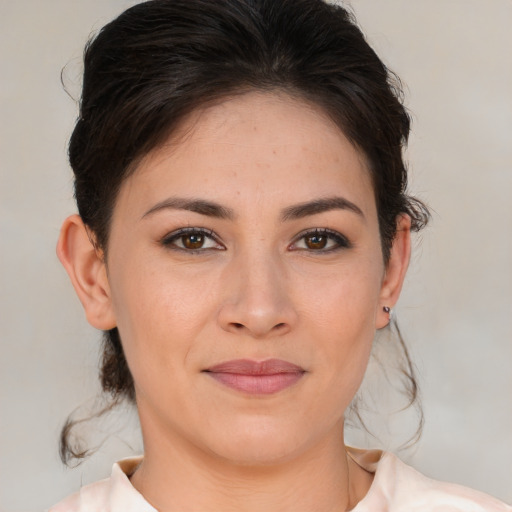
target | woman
[{"x": 243, "y": 231}]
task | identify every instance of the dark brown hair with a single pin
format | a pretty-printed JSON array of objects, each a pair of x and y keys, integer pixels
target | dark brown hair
[{"x": 162, "y": 59}]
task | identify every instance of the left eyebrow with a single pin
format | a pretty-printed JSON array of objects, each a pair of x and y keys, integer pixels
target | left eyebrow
[{"x": 302, "y": 210}]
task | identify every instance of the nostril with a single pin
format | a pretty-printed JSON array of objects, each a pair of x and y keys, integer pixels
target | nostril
[{"x": 258, "y": 330}]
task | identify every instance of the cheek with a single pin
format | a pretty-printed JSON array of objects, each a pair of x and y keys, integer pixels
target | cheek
[
  {"x": 344, "y": 298},
  {"x": 340, "y": 308},
  {"x": 159, "y": 312}
]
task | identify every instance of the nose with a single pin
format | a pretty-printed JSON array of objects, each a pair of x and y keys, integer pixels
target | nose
[{"x": 257, "y": 298}]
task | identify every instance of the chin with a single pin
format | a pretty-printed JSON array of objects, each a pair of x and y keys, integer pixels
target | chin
[{"x": 261, "y": 442}]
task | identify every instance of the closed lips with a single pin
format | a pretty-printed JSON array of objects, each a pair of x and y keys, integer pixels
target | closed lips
[{"x": 256, "y": 377}]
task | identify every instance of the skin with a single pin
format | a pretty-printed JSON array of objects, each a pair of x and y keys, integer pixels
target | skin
[{"x": 256, "y": 289}]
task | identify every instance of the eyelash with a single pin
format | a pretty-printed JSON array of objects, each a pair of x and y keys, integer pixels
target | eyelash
[
  {"x": 170, "y": 239},
  {"x": 341, "y": 241}
]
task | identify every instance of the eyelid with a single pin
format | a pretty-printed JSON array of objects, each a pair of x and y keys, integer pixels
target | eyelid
[
  {"x": 342, "y": 241},
  {"x": 169, "y": 238}
]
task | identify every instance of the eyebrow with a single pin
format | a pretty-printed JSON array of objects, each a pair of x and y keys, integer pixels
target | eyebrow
[
  {"x": 298, "y": 211},
  {"x": 201, "y": 206},
  {"x": 319, "y": 206}
]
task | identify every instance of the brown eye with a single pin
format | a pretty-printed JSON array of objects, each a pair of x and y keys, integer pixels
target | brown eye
[
  {"x": 315, "y": 241},
  {"x": 192, "y": 241},
  {"x": 322, "y": 241}
]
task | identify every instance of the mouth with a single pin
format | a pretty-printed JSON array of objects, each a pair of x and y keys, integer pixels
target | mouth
[{"x": 256, "y": 377}]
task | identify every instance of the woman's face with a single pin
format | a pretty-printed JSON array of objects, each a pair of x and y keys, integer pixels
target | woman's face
[{"x": 246, "y": 278}]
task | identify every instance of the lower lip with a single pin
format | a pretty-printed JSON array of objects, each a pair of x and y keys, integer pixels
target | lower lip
[{"x": 257, "y": 384}]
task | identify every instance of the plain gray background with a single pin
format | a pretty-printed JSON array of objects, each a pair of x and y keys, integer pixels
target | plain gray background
[{"x": 456, "y": 310}]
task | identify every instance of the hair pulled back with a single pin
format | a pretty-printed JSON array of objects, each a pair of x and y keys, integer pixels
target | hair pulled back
[{"x": 162, "y": 59}]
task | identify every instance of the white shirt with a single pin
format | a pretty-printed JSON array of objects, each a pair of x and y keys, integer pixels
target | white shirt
[{"x": 396, "y": 487}]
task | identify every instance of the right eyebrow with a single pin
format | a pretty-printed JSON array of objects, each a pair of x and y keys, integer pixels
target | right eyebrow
[{"x": 201, "y": 206}]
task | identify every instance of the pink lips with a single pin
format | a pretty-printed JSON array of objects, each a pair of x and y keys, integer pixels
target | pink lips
[{"x": 253, "y": 377}]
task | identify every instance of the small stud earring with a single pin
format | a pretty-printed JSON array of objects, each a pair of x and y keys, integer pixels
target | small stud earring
[{"x": 389, "y": 311}]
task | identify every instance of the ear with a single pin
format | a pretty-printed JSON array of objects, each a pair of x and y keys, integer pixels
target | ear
[
  {"x": 396, "y": 269},
  {"x": 86, "y": 268}
]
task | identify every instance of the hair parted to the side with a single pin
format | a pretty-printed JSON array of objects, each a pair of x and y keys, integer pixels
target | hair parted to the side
[{"x": 160, "y": 60}]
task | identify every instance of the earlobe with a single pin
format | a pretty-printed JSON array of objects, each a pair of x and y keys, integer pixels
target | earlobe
[
  {"x": 396, "y": 269},
  {"x": 86, "y": 268}
]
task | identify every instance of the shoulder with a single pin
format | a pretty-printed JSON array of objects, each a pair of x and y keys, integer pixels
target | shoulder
[
  {"x": 398, "y": 487},
  {"x": 114, "y": 494},
  {"x": 417, "y": 492},
  {"x": 93, "y": 498}
]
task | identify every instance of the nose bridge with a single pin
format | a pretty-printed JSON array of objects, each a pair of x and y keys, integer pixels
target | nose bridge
[
  {"x": 263, "y": 274},
  {"x": 257, "y": 299}
]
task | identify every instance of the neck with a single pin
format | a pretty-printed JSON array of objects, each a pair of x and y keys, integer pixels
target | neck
[{"x": 178, "y": 476}]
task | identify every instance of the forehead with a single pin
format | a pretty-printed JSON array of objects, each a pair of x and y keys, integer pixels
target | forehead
[{"x": 256, "y": 145}]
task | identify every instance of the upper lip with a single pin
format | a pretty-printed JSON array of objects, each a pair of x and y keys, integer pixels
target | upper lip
[{"x": 250, "y": 367}]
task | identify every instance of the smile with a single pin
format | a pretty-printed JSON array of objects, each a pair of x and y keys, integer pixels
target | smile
[{"x": 256, "y": 378}]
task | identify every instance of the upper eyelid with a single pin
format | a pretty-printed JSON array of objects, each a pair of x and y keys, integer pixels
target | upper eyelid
[
  {"x": 336, "y": 235},
  {"x": 190, "y": 229},
  {"x": 320, "y": 231}
]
